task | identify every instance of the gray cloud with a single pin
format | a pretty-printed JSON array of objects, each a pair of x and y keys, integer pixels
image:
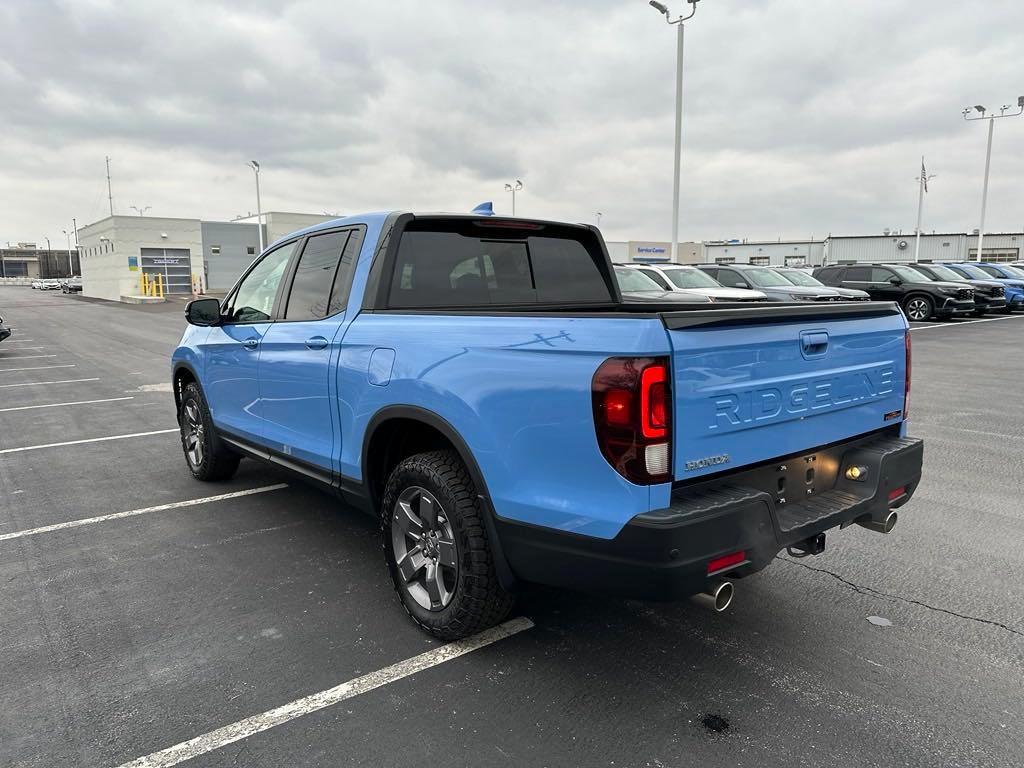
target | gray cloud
[{"x": 800, "y": 118}]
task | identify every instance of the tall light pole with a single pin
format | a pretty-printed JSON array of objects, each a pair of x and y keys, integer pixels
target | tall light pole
[
  {"x": 259, "y": 211},
  {"x": 922, "y": 184},
  {"x": 78, "y": 246},
  {"x": 513, "y": 189},
  {"x": 982, "y": 114},
  {"x": 599, "y": 215},
  {"x": 141, "y": 211},
  {"x": 678, "y": 21},
  {"x": 71, "y": 265}
]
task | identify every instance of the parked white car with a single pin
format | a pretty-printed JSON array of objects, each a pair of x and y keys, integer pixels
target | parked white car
[{"x": 686, "y": 279}]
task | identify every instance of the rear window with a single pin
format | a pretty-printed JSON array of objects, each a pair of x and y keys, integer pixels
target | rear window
[{"x": 460, "y": 264}]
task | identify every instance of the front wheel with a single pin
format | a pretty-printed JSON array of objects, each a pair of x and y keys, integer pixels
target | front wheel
[
  {"x": 918, "y": 308},
  {"x": 207, "y": 457},
  {"x": 437, "y": 550}
]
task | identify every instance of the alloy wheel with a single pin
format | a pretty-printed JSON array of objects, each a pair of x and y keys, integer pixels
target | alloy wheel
[
  {"x": 194, "y": 434},
  {"x": 917, "y": 309},
  {"x": 423, "y": 544}
]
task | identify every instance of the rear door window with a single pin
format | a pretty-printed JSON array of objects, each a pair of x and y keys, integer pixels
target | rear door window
[
  {"x": 858, "y": 274},
  {"x": 456, "y": 264}
]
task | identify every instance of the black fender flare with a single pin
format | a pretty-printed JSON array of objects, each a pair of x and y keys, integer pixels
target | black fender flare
[{"x": 442, "y": 425}]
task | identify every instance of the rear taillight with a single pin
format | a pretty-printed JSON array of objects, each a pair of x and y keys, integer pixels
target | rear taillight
[
  {"x": 633, "y": 417},
  {"x": 906, "y": 391}
]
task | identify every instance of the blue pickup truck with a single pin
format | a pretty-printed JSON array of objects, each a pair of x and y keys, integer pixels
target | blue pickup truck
[{"x": 481, "y": 387}]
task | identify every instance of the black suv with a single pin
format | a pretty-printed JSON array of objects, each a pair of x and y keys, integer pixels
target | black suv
[
  {"x": 989, "y": 295},
  {"x": 920, "y": 297}
]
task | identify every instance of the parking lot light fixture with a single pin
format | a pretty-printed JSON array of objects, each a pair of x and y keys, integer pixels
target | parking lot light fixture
[
  {"x": 259, "y": 211},
  {"x": 678, "y": 22},
  {"x": 983, "y": 115},
  {"x": 513, "y": 188}
]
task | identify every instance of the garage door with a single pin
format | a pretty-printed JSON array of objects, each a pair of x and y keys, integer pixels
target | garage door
[{"x": 174, "y": 265}]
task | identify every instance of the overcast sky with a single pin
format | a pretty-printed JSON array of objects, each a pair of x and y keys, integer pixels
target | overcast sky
[{"x": 800, "y": 117}]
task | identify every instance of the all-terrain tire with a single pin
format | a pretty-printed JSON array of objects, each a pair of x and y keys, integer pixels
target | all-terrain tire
[
  {"x": 478, "y": 600},
  {"x": 212, "y": 460}
]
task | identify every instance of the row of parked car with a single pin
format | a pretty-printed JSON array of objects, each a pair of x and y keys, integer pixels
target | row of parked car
[
  {"x": 924, "y": 291},
  {"x": 62, "y": 284}
]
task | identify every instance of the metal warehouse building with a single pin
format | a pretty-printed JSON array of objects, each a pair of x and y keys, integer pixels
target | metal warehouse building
[
  {"x": 767, "y": 253},
  {"x": 187, "y": 254},
  {"x": 934, "y": 247}
]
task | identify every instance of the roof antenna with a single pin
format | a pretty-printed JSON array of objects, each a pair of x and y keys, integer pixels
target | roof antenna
[{"x": 484, "y": 209}]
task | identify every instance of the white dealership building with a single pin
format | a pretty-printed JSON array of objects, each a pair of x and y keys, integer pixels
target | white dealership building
[{"x": 188, "y": 255}]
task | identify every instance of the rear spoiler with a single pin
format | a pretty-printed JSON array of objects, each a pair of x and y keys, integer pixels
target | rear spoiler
[{"x": 745, "y": 314}]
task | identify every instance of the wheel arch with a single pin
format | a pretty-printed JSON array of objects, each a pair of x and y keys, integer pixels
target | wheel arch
[
  {"x": 182, "y": 375},
  {"x": 387, "y": 440}
]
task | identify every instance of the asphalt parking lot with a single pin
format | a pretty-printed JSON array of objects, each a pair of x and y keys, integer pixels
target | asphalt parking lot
[{"x": 211, "y": 607}]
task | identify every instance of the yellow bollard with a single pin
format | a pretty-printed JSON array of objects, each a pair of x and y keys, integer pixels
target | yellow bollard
[
  {"x": 160, "y": 285},
  {"x": 143, "y": 288}
]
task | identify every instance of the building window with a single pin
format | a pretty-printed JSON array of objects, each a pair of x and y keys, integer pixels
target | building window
[
  {"x": 725, "y": 260},
  {"x": 945, "y": 245},
  {"x": 251, "y": 250},
  {"x": 761, "y": 261},
  {"x": 796, "y": 261},
  {"x": 215, "y": 250},
  {"x": 994, "y": 255}
]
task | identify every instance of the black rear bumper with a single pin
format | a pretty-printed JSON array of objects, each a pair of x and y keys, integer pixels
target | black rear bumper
[{"x": 664, "y": 555}]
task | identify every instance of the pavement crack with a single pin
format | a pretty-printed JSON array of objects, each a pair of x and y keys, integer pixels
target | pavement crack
[{"x": 878, "y": 593}]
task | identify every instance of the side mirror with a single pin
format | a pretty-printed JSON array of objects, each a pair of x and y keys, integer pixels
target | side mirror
[
  {"x": 895, "y": 281},
  {"x": 203, "y": 312}
]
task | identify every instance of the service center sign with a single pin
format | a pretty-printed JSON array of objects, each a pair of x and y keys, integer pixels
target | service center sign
[{"x": 649, "y": 251}]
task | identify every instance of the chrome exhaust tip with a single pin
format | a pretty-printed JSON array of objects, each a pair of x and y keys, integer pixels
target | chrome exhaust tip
[
  {"x": 718, "y": 596},
  {"x": 884, "y": 525}
]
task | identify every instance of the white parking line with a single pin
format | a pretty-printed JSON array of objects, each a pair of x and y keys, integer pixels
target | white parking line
[
  {"x": 250, "y": 726},
  {"x": 58, "y": 405},
  {"x": 20, "y": 349},
  {"x": 23, "y": 357},
  {"x": 137, "y": 512},
  {"x": 38, "y": 368},
  {"x": 90, "y": 440},
  {"x": 43, "y": 383},
  {"x": 966, "y": 322}
]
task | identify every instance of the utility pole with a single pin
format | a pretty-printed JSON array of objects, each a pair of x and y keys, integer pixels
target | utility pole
[
  {"x": 78, "y": 250},
  {"x": 982, "y": 115},
  {"x": 922, "y": 183},
  {"x": 110, "y": 194},
  {"x": 678, "y": 22}
]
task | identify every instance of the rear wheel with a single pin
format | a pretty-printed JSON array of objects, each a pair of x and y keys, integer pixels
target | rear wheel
[
  {"x": 918, "y": 308},
  {"x": 437, "y": 550},
  {"x": 207, "y": 457}
]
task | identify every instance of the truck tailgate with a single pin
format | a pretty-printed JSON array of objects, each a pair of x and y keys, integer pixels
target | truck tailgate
[{"x": 754, "y": 384}]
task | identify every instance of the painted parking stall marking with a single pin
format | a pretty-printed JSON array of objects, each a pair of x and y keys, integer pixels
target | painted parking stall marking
[
  {"x": 37, "y": 368},
  {"x": 88, "y": 440},
  {"x": 250, "y": 726},
  {"x": 44, "y": 383},
  {"x": 137, "y": 512},
  {"x": 60, "y": 405},
  {"x": 962, "y": 323},
  {"x": 23, "y": 357}
]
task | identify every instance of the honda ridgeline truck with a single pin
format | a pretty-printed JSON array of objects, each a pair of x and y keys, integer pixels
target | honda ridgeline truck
[{"x": 479, "y": 385}]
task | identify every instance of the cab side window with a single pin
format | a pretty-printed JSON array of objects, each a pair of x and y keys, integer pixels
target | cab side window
[{"x": 253, "y": 300}]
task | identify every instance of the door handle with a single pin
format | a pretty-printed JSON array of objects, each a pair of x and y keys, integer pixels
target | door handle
[
  {"x": 814, "y": 343},
  {"x": 251, "y": 343},
  {"x": 317, "y": 342}
]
